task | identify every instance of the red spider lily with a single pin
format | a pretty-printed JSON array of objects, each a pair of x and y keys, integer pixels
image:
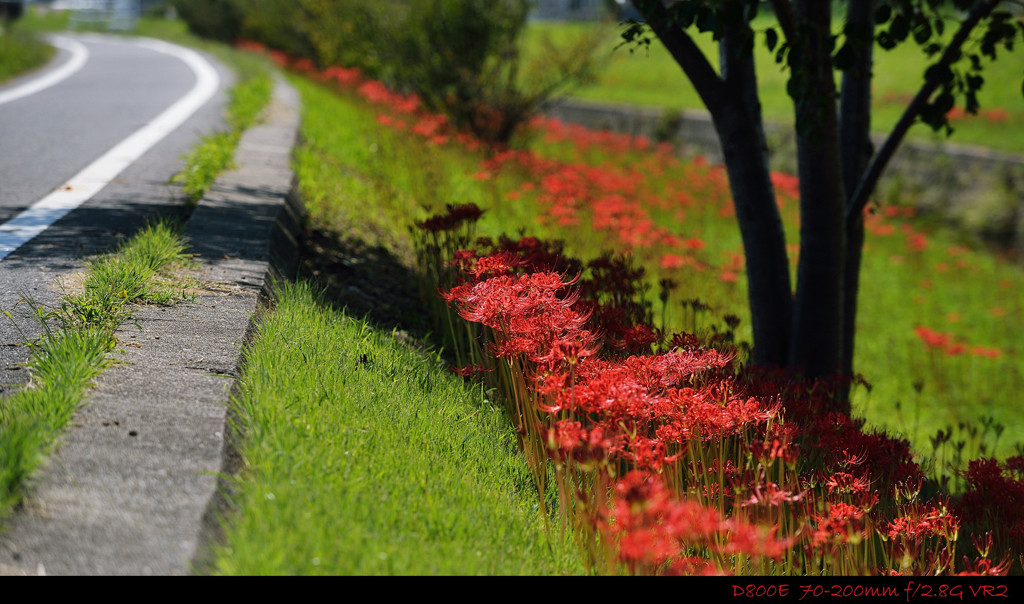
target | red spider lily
[
  {"x": 989, "y": 353},
  {"x": 570, "y": 441},
  {"x": 649, "y": 527},
  {"x": 779, "y": 443},
  {"x": 569, "y": 351},
  {"x": 844, "y": 482},
  {"x": 304, "y": 65},
  {"x": 985, "y": 568},
  {"x": 279, "y": 58},
  {"x": 917, "y": 242},
  {"x": 675, "y": 261},
  {"x": 349, "y": 77},
  {"x": 955, "y": 349},
  {"x": 773, "y": 495},
  {"x": 496, "y": 264},
  {"x": 922, "y": 523},
  {"x": 786, "y": 185},
  {"x": 471, "y": 370},
  {"x": 931, "y": 338},
  {"x": 250, "y": 46},
  {"x": 430, "y": 126},
  {"x": 994, "y": 502},
  {"x": 843, "y": 523},
  {"x": 638, "y": 339},
  {"x": 464, "y": 260},
  {"x": 648, "y": 412}
]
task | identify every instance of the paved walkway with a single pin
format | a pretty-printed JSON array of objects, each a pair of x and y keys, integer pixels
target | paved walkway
[{"x": 132, "y": 488}]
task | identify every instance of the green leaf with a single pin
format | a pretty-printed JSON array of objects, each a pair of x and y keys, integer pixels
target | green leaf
[
  {"x": 886, "y": 41},
  {"x": 883, "y": 13},
  {"x": 944, "y": 102},
  {"x": 940, "y": 73},
  {"x": 922, "y": 32},
  {"x": 771, "y": 38},
  {"x": 780, "y": 55},
  {"x": 844, "y": 58},
  {"x": 900, "y": 28},
  {"x": 974, "y": 82}
]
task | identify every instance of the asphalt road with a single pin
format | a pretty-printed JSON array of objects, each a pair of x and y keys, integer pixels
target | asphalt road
[
  {"x": 132, "y": 488},
  {"x": 52, "y": 135}
]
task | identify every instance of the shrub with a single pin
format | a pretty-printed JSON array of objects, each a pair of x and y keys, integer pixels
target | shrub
[
  {"x": 213, "y": 19},
  {"x": 462, "y": 57}
]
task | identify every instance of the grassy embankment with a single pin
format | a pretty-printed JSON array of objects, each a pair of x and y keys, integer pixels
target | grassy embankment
[
  {"x": 363, "y": 456},
  {"x": 332, "y": 413},
  {"x": 915, "y": 275},
  {"x": 652, "y": 78}
]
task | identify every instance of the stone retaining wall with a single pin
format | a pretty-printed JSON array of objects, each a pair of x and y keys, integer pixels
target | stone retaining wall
[{"x": 978, "y": 190}]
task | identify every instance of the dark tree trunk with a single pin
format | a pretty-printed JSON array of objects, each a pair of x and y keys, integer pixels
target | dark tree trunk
[
  {"x": 769, "y": 290},
  {"x": 813, "y": 332},
  {"x": 855, "y": 141},
  {"x": 736, "y": 111},
  {"x": 740, "y": 128},
  {"x": 816, "y": 335}
]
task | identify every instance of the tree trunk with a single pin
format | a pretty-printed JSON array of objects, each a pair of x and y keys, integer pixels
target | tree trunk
[
  {"x": 817, "y": 313},
  {"x": 768, "y": 285},
  {"x": 855, "y": 141},
  {"x": 740, "y": 128}
]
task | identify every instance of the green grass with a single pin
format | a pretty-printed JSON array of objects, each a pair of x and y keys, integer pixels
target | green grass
[
  {"x": 21, "y": 52},
  {"x": 347, "y": 176},
  {"x": 652, "y": 78},
  {"x": 78, "y": 334},
  {"x": 214, "y": 154},
  {"x": 248, "y": 96},
  {"x": 363, "y": 457}
]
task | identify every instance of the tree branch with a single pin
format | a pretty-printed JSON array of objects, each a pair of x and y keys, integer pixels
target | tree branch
[
  {"x": 868, "y": 182},
  {"x": 685, "y": 52},
  {"x": 855, "y": 96}
]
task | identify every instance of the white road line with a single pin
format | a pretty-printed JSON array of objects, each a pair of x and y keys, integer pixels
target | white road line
[
  {"x": 79, "y": 55},
  {"x": 37, "y": 218}
]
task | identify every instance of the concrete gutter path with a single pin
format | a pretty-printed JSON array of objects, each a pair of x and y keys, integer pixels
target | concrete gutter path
[{"x": 131, "y": 488}]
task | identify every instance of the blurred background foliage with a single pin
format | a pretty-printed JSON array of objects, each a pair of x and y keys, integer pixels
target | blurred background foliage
[{"x": 461, "y": 57}]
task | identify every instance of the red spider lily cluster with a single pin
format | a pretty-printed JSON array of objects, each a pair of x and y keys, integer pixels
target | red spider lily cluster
[
  {"x": 947, "y": 344},
  {"x": 665, "y": 457},
  {"x": 995, "y": 115},
  {"x": 994, "y": 503}
]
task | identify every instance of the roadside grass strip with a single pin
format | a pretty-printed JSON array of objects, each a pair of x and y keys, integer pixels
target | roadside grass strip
[
  {"x": 21, "y": 52},
  {"x": 362, "y": 457},
  {"x": 215, "y": 152},
  {"x": 78, "y": 334}
]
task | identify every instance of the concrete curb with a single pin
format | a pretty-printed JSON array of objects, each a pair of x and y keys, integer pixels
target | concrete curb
[{"x": 131, "y": 488}]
